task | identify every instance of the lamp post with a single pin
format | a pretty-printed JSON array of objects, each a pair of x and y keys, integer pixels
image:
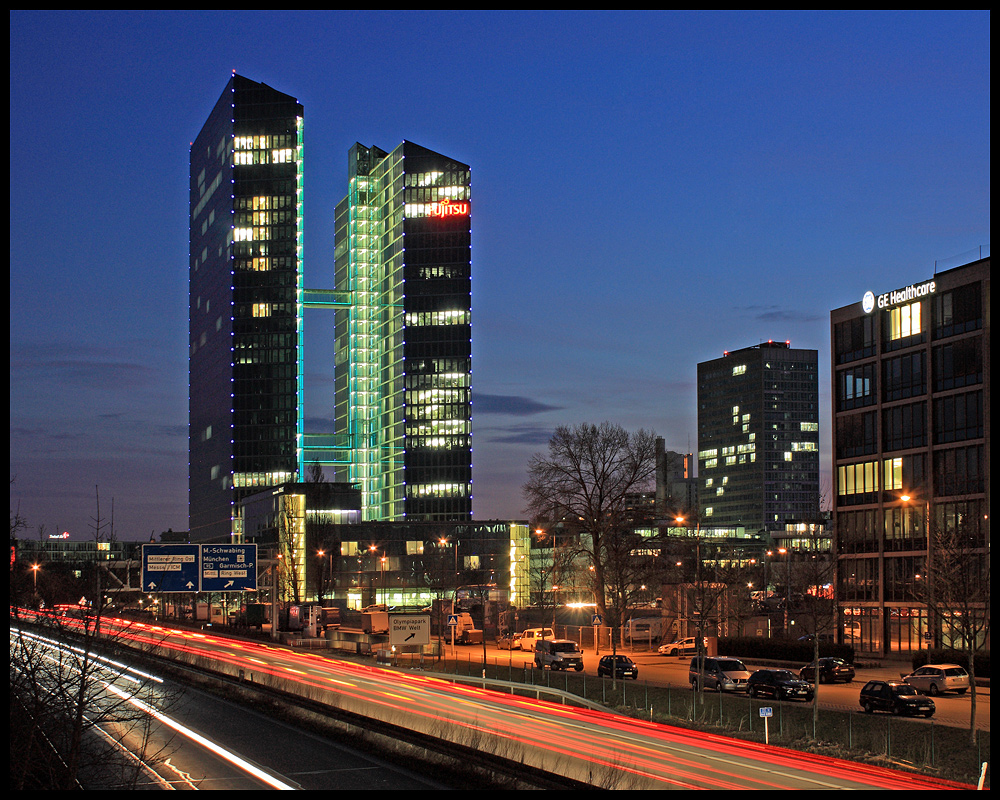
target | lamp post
[
  {"x": 34, "y": 574},
  {"x": 787, "y": 553},
  {"x": 699, "y": 596},
  {"x": 322, "y": 579},
  {"x": 374, "y": 549},
  {"x": 931, "y": 622}
]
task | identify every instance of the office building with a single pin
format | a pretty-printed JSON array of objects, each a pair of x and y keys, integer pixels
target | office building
[
  {"x": 676, "y": 485},
  {"x": 758, "y": 438},
  {"x": 245, "y": 331},
  {"x": 911, "y": 389},
  {"x": 403, "y": 335}
]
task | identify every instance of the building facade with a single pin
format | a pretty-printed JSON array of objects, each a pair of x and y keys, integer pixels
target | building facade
[
  {"x": 911, "y": 432},
  {"x": 758, "y": 438},
  {"x": 403, "y": 334},
  {"x": 245, "y": 318}
]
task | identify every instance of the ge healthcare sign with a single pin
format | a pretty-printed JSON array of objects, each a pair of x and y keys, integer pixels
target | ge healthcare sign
[{"x": 199, "y": 567}]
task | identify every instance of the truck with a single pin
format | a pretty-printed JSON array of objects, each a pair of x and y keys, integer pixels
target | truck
[
  {"x": 375, "y": 621},
  {"x": 465, "y": 630},
  {"x": 644, "y": 629}
]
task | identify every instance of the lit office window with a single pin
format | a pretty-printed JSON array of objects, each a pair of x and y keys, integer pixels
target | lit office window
[{"x": 904, "y": 321}]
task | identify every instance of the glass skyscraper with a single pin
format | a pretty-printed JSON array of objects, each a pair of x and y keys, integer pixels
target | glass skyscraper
[
  {"x": 403, "y": 334},
  {"x": 245, "y": 321},
  {"x": 758, "y": 438}
]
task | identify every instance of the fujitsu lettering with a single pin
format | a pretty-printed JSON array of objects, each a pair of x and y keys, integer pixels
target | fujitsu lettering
[{"x": 448, "y": 208}]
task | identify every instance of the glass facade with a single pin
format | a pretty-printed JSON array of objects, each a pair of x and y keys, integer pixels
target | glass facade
[
  {"x": 403, "y": 333},
  {"x": 758, "y": 438},
  {"x": 911, "y": 461},
  {"x": 245, "y": 320}
]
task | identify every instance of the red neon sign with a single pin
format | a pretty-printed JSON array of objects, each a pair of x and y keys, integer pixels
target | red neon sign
[{"x": 449, "y": 208}]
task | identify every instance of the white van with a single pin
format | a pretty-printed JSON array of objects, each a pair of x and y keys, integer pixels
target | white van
[
  {"x": 532, "y": 635},
  {"x": 558, "y": 654}
]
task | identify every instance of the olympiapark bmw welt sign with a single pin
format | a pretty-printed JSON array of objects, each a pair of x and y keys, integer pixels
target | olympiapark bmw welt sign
[{"x": 199, "y": 568}]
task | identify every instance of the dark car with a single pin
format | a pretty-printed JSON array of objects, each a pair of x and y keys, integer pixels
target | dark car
[
  {"x": 831, "y": 670},
  {"x": 617, "y": 667},
  {"x": 895, "y": 697},
  {"x": 781, "y": 684}
]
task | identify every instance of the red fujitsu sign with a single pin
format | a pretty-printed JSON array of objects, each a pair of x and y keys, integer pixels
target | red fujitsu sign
[{"x": 449, "y": 208}]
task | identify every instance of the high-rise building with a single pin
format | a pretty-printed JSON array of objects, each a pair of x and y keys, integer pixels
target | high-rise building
[
  {"x": 245, "y": 321},
  {"x": 758, "y": 438},
  {"x": 911, "y": 432},
  {"x": 403, "y": 334},
  {"x": 676, "y": 486}
]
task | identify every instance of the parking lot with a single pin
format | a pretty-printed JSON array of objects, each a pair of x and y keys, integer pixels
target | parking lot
[{"x": 953, "y": 710}]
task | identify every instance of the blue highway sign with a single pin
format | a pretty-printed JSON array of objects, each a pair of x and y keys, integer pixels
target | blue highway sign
[
  {"x": 170, "y": 567},
  {"x": 228, "y": 567}
]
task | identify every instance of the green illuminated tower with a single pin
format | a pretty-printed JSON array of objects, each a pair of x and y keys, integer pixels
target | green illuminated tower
[{"x": 403, "y": 333}]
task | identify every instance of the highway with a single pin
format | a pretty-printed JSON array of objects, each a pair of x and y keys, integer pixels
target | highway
[
  {"x": 193, "y": 740},
  {"x": 596, "y": 746}
]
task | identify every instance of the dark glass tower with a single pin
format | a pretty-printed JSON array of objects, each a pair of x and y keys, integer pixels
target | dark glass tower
[
  {"x": 245, "y": 322},
  {"x": 758, "y": 438},
  {"x": 403, "y": 364}
]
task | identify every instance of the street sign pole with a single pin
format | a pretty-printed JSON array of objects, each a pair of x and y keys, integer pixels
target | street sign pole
[{"x": 765, "y": 712}]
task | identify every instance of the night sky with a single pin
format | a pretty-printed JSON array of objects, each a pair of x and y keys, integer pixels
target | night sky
[{"x": 648, "y": 191}]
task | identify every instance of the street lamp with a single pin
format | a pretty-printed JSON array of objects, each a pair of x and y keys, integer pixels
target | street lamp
[
  {"x": 374, "y": 549},
  {"x": 699, "y": 595},
  {"x": 34, "y": 574},
  {"x": 787, "y": 553},
  {"x": 322, "y": 580},
  {"x": 931, "y": 623}
]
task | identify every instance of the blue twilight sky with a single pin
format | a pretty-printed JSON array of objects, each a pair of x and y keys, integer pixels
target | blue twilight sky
[{"x": 649, "y": 190}]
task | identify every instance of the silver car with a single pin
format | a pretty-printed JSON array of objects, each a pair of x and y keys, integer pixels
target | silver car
[
  {"x": 682, "y": 647},
  {"x": 933, "y": 679}
]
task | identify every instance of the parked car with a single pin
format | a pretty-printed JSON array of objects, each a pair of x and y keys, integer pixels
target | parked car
[
  {"x": 781, "y": 684},
  {"x": 722, "y": 673},
  {"x": 933, "y": 679},
  {"x": 528, "y": 638},
  {"x": 618, "y": 667},
  {"x": 831, "y": 670},
  {"x": 896, "y": 697},
  {"x": 558, "y": 654},
  {"x": 682, "y": 647},
  {"x": 509, "y": 641}
]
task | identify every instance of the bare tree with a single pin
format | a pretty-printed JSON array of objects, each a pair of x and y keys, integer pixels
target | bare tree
[
  {"x": 955, "y": 587},
  {"x": 811, "y": 578},
  {"x": 585, "y": 481},
  {"x": 291, "y": 550},
  {"x": 314, "y": 474},
  {"x": 69, "y": 717}
]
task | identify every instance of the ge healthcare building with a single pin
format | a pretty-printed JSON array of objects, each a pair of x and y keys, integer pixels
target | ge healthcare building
[{"x": 911, "y": 434}]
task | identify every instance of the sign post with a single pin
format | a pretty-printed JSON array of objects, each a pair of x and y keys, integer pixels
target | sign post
[
  {"x": 765, "y": 712},
  {"x": 410, "y": 630}
]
